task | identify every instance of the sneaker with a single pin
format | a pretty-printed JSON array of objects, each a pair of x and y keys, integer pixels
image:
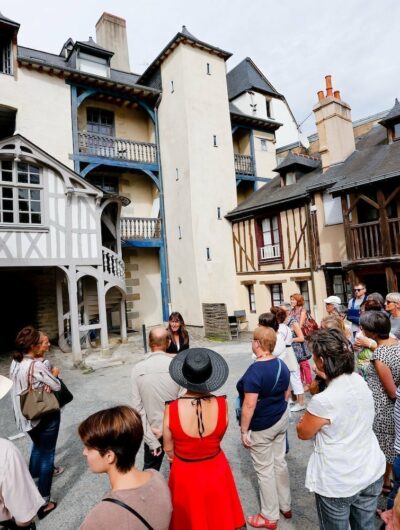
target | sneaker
[
  {"x": 297, "y": 407},
  {"x": 58, "y": 470}
]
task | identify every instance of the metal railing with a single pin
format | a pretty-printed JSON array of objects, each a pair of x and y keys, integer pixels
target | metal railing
[
  {"x": 244, "y": 165},
  {"x": 140, "y": 228},
  {"x": 113, "y": 263},
  {"x": 270, "y": 251},
  {"x": 119, "y": 148}
]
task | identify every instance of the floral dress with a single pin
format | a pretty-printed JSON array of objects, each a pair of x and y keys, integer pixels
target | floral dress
[{"x": 384, "y": 406}]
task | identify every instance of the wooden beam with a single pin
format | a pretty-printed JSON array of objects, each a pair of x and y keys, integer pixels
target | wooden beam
[
  {"x": 300, "y": 278},
  {"x": 392, "y": 195},
  {"x": 391, "y": 280},
  {"x": 248, "y": 282},
  {"x": 384, "y": 223},
  {"x": 346, "y": 225},
  {"x": 271, "y": 282}
]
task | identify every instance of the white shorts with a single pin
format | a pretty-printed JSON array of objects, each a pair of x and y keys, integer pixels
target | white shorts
[{"x": 295, "y": 382}]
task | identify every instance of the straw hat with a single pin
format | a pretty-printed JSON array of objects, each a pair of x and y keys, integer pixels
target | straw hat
[{"x": 199, "y": 370}]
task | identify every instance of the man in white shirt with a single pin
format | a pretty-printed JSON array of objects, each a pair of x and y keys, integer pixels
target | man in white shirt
[
  {"x": 152, "y": 386},
  {"x": 20, "y": 499}
]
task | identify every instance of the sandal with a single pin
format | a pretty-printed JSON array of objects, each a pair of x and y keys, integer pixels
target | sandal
[
  {"x": 259, "y": 521},
  {"x": 42, "y": 513},
  {"x": 287, "y": 515}
]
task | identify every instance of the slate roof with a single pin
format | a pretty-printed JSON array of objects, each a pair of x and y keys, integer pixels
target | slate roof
[
  {"x": 393, "y": 114},
  {"x": 181, "y": 36},
  {"x": 292, "y": 160},
  {"x": 8, "y": 22},
  {"x": 246, "y": 76},
  {"x": 51, "y": 60},
  {"x": 374, "y": 160},
  {"x": 93, "y": 46}
]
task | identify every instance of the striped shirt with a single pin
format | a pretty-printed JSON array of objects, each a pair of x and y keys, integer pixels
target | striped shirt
[{"x": 397, "y": 421}]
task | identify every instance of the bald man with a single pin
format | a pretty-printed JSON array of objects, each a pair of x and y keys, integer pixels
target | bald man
[{"x": 152, "y": 386}]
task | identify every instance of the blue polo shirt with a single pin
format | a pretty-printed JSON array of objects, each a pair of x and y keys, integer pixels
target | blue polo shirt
[{"x": 260, "y": 379}]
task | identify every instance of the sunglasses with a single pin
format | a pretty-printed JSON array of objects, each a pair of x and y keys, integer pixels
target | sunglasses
[{"x": 362, "y": 288}]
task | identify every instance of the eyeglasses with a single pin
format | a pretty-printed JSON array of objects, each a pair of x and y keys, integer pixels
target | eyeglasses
[
  {"x": 389, "y": 302},
  {"x": 361, "y": 289}
]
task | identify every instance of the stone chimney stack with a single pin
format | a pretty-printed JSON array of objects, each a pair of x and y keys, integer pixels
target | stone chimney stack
[
  {"x": 111, "y": 35},
  {"x": 334, "y": 126}
]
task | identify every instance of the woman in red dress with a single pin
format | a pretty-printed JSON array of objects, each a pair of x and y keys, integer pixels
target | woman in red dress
[{"x": 204, "y": 495}]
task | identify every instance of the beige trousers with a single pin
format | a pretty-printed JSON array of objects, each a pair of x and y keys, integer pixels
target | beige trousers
[{"x": 268, "y": 449}]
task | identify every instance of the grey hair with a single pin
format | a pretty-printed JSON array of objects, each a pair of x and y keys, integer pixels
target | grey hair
[
  {"x": 393, "y": 297},
  {"x": 341, "y": 309},
  {"x": 377, "y": 297}
]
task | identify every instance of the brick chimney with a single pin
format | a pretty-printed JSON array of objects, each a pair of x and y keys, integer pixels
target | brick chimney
[
  {"x": 334, "y": 126},
  {"x": 111, "y": 35}
]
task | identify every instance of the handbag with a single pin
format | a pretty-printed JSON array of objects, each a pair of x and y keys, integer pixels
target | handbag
[
  {"x": 64, "y": 396},
  {"x": 239, "y": 402},
  {"x": 36, "y": 402},
  {"x": 134, "y": 512},
  {"x": 309, "y": 326}
]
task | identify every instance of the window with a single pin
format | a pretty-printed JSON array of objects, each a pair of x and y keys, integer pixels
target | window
[
  {"x": 264, "y": 145},
  {"x": 290, "y": 178},
  {"x": 276, "y": 294},
  {"x": 339, "y": 287},
  {"x": 5, "y": 55},
  {"x": 172, "y": 87},
  {"x": 252, "y": 298},
  {"x": 93, "y": 65},
  {"x": 20, "y": 193},
  {"x": 104, "y": 182},
  {"x": 268, "y": 108},
  {"x": 219, "y": 213},
  {"x": 332, "y": 209},
  {"x": 215, "y": 140},
  {"x": 270, "y": 230},
  {"x": 100, "y": 121},
  {"x": 208, "y": 69},
  {"x": 396, "y": 131},
  {"x": 208, "y": 254},
  {"x": 303, "y": 288}
]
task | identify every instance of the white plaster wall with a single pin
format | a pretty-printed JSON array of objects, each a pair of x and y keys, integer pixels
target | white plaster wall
[
  {"x": 43, "y": 106},
  {"x": 265, "y": 160},
  {"x": 198, "y": 109},
  {"x": 150, "y": 305},
  {"x": 141, "y": 191}
]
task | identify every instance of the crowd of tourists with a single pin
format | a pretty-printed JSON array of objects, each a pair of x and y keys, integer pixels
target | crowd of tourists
[{"x": 342, "y": 374}]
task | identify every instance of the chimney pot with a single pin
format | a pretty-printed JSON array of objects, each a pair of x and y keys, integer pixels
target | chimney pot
[
  {"x": 321, "y": 95},
  {"x": 328, "y": 81},
  {"x": 337, "y": 94}
]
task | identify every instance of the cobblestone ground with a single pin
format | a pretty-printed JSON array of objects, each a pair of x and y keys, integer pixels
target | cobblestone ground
[{"x": 108, "y": 384}]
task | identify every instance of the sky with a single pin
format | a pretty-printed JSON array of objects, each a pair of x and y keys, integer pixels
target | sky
[{"x": 295, "y": 43}]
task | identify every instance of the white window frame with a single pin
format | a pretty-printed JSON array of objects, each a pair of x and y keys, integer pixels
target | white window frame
[
  {"x": 271, "y": 248},
  {"x": 264, "y": 144},
  {"x": 16, "y": 186},
  {"x": 333, "y": 214},
  {"x": 93, "y": 64},
  {"x": 6, "y": 56},
  {"x": 290, "y": 178}
]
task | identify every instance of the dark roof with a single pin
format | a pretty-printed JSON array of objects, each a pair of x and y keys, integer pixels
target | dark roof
[
  {"x": 246, "y": 76},
  {"x": 48, "y": 61},
  {"x": 8, "y": 22},
  {"x": 261, "y": 124},
  {"x": 393, "y": 115},
  {"x": 292, "y": 160},
  {"x": 92, "y": 46},
  {"x": 373, "y": 160},
  {"x": 186, "y": 37}
]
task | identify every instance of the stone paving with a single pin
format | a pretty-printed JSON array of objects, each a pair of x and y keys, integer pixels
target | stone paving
[{"x": 77, "y": 490}]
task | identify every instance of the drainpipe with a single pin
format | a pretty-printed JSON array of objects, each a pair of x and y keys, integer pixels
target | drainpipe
[{"x": 164, "y": 259}]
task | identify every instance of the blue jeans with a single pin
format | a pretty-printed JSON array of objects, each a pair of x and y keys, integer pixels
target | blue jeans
[
  {"x": 41, "y": 464},
  {"x": 358, "y": 510},
  {"x": 396, "y": 483}
]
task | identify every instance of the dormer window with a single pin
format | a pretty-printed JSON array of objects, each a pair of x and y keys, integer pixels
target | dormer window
[
  {"x": 5, "y": 55},
  {"x": 290, "y": 178},
  {"x": 93, "y": 64}
]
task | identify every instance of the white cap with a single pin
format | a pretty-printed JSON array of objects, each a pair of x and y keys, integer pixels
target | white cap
[
  {"x": 333, "y": 300},
  {"x": 5, "y": 385}
]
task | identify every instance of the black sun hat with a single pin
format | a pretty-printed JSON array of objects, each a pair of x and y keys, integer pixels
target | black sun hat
[{"x": 199, "y": 370}]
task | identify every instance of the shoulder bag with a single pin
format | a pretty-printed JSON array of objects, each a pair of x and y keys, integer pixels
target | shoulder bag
[
  {"x": 239, "y": 402},
  {"x": 64, "y": 396},
  {"x": 36, "y": 402},
  {"x": 134, "y": 512},
  {"x": 309, "y": 326}
]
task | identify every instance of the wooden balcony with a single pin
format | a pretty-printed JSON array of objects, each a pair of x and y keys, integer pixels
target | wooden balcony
[
  {"x": 372, "y": 240},
  {"x": 113, "y": 264},
  {"x": 140, "y": 228},
  {"x": 99, "y": 145},
  {"x": 244, "y": 165}
]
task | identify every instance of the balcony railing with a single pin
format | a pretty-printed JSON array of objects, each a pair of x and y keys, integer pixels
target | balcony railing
[
  {"x": 367, "y": 241},
  {"x": 113, "y": 264},
  {"x": 118, "y": 148},
  {"x": 244, "y": 165},
  {"x": 140, "y": 228},
  {"x": 270, "y": 251}
]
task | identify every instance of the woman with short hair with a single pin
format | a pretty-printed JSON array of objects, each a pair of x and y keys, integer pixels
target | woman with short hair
[
  {"x": 383, "y": 378},
  {"x": 263, "y": 390},
  {"x": 112, "y": 438},
  {"x": 346, "y": 468}
]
